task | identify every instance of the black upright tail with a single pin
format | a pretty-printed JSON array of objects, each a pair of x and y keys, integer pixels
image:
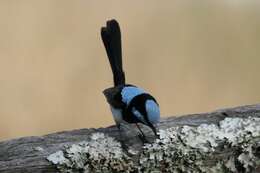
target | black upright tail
[{"x": 111, "y": 37}]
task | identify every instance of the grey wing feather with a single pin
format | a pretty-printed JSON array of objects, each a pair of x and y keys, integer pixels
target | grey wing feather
[{"x": 113, "y": 96}]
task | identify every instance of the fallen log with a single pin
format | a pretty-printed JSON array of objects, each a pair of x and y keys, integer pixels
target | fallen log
[{"x": 226, "y": 140}]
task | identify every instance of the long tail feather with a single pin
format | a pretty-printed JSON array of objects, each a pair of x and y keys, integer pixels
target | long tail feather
[{"x": 111, "y": 37}]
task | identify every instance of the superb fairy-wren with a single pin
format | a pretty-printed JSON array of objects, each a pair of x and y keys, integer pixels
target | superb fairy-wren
[{"x": 128, "y": 103}]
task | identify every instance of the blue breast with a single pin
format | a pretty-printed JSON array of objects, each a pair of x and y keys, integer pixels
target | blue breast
[{"x": 129, "y": 92}]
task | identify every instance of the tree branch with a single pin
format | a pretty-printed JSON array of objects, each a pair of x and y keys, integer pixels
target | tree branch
[{"x": 226, "y": 140}]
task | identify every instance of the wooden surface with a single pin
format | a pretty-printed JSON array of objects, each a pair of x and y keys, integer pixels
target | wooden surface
[{"x": 28, "y": 154}]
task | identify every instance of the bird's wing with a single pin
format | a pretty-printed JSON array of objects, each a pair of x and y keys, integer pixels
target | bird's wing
[{"x": 114, "y": 97}]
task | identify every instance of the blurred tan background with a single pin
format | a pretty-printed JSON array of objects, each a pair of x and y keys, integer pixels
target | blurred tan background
[{"x": 193, "y": 56}]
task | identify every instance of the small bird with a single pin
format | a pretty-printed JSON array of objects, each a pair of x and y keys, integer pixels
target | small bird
[{"x": 128, "y": 103}]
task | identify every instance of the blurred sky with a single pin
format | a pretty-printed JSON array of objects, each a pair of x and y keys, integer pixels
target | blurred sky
[{"x": 193, "y": 56}]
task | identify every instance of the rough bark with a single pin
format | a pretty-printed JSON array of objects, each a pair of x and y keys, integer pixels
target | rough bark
[{"x": 29, "y": 154}]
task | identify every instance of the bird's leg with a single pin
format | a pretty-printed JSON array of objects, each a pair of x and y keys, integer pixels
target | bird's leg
[
  {"x": 141, "y": 136},
  {"x": 140, "y": 129},
  {"x": 118, "y": 126},
  {"x": 154, "y": 130},
  {"x": 121, "y": 140}
]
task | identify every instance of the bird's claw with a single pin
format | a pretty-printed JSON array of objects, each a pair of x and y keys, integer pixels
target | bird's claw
[{"x": 143, "y": 138}]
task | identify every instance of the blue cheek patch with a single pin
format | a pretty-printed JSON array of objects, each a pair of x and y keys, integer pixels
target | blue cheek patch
[
  {"x": 128, "y": 93},
  {"x": 153, "y": 111}
]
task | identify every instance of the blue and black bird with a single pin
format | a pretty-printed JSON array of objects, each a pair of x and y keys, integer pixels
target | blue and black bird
[{"x": 128, "y": 103}]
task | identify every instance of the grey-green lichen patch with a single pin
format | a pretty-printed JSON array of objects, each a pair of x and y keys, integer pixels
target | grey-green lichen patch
[
  {"x": 38, "y": 149},
  {"x": 234, "y": 130},
  {"x": 231, "y": 146},
  {"x": 58, "y": 158},
  {"x": 170, "y": 154},
  {"x": 100, "y": 154},
  {"x": 198, "y": 149},
  {"x": 230, "y": 164}
]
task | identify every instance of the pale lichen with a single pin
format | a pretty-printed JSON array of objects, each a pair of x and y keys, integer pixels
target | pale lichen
[
  {"x": 230, "y": 164},
  {"x": 40, "y": 149},
  {"x": 58, "y": 158},
  {"x": 195, "y": 149},
  {"x": 231, "y": 146},
  {"x": 100, "y": 154}
]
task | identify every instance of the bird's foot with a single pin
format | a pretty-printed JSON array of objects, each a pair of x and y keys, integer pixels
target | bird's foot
[{"x": 143, "y": 138}]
